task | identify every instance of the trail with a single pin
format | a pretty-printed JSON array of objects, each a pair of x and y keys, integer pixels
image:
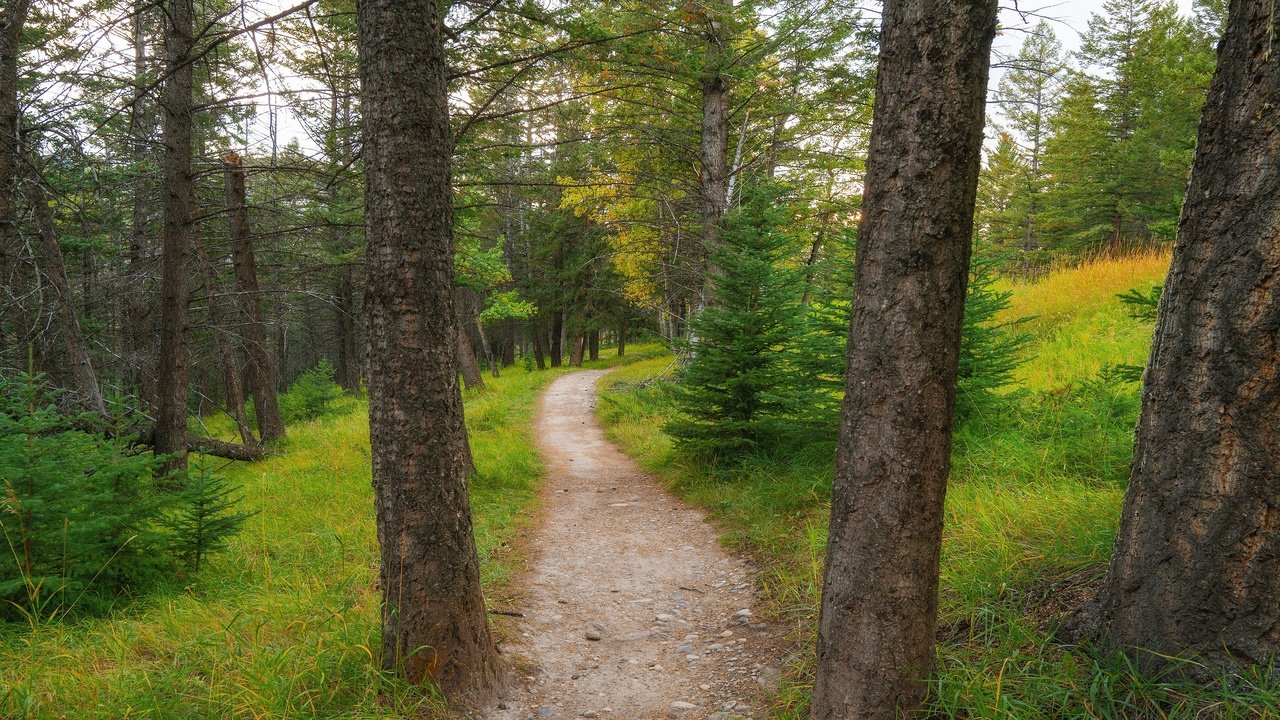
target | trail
[{"x": 632, "y": 609}]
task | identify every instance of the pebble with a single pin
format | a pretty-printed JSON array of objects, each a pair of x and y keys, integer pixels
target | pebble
[
  {"x": 544, "y": 711},
  {"x": 592, "y": 635},
  {"x": 743, "y": 613},
  {"x": 727, "y": 633},
  {"x": 664, "y": 617},
  {"x": 682, "y": 705},
  {"x": 685, "y": 649},
  {"x": 704, "y": 686}
]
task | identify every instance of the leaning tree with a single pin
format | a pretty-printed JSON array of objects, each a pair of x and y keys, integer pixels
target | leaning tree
[
  {"x": 1196, "y": 568},
  {"x": 880, "y": 591}
]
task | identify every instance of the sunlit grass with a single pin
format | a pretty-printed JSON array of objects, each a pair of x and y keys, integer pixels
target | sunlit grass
[
  {"x": 285, "y": 622},
  {"x": 1031, "y": 513}
]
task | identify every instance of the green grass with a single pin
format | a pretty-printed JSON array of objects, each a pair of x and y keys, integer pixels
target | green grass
[
  {"x": 1031, "y": 514},
  {"x": 284, "y": 623}
]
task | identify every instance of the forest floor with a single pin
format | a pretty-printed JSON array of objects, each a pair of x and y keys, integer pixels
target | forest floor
[{"x": 632, "y": 608}]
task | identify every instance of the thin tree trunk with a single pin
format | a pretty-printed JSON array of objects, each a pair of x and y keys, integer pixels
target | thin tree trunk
[
  {"x": 222, "y": 341},
  {"x": 1195, "y": 568},
  {"x": 73, "y": 339},
  {"x": 880, "y": 589},
  {"x": 579, "y": 341},
  {"x": 471, "y": 374},
  {"x": 715, "y": 160},
  {"x": 539, "y": 341},
  {"x": 13, "y": 18},
  {"x": 139, "y": 334},
  {"x": 622, "y": 338},
  {"x": 485, "y": 349},
  {"x": 348, "y": 366},
  {"x": 593, "y": 345},
  {"x": 173, "y": 373},
  {"x": 557, "y": 337},
  {"x": 434, "y": 626},
  {"x": 262, "y": 370}
]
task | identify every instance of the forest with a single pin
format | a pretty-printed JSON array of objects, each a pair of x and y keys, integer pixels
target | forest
[{"x": 704, "y": 359}]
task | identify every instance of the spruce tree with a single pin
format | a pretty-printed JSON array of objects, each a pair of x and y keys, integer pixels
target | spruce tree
[{"x": 732, "y": 392}]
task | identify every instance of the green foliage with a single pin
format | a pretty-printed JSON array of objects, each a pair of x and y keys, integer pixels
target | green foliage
[
  {"x": 206, "y": 518},
  {"x": 990, "y": 349},
  {"x": 310, "y": 396},
  {"x": 79, "y": 510},
  {"x": 1142, "y": 305},
  {"x": 507, "y": 305},
  {"x": 732, "y": 390}
]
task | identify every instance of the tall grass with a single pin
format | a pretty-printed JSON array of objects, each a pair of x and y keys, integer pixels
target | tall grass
[
  {"x": 1031, "y": 514},
  {"x": 285, "y": 622}
]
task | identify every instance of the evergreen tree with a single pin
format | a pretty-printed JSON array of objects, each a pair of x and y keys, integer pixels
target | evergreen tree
[
  {"x": 1004, "y": 203},
  {"x": 732, "y": 393}
]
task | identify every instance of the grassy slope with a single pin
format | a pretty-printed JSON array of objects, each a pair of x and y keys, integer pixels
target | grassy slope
[
  {"x": 285, "y": 622},
  {"x": 1030, "y": 516}
]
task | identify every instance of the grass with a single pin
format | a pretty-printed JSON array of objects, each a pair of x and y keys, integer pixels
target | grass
[
  {"x": 284, "y": 623},
  {"x": 1031, "y": 513}
]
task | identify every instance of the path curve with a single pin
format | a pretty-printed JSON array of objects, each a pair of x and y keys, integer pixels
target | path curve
[{"x": 632, "y": 609}]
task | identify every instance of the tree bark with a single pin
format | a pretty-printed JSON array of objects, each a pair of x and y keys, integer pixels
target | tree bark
[
  {"x": 539, "y": 345},
  {"x": 714, "y": 181},
  {"x": 575, "y": 358},
  {"x": 13, "y": 18},
  {"x": 434, "y": 625},
  {"x": 622, "y": 338},
  {"x": 73, "y": 339},
  {"x": 879, "y": 595},
  {"x": 348, "y": 373},
  {"x": 1196, "y": 567},
  {"x": 173, "y": 373},
  {"x": 557, "y": 336},
  {"x": 593, "y": 345},
  {"x": 139, "y": 330},
  {"x": 262, "y": 370},
  {"x": 471, "y": 374}
]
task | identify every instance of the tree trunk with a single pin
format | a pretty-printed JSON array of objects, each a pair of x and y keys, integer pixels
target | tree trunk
[
  {"x": 1195, "y": 568},
  {"x": 173, "y": 374},
  {"x": 139, "y": 329},
  {"x": 575, "y": 359},
  {"x": 593, "y": 345},
  {"x": 715, "y": 160},
  {"x": 348, "y": 373},
  {"x": 471, "y": 374},
  {"x": 539, "y": 342},
  {"x": 879, "y": 595},
  {"x": 68, "y": 321},
  {"x": 13, "y": 18},
  {"x": 222, "y": 341},
  {"x": 262, "y": 370},
  {"x": 557, "y": 338},
  {"x": 622, "y": 338},
  {"x": 434, "y": 626}
]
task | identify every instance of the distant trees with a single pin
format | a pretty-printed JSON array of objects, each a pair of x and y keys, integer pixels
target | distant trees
[
  {"x": 1195, "y": 565},
  {"x": 1104, "y": 149},
  {"x": 879, "y": 593},
  {"x": 434, "y": 625}
]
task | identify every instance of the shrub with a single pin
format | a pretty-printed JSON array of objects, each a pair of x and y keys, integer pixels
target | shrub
[
  {"x": 310, "y": 395},
  {"x": 84, "y": 518}
]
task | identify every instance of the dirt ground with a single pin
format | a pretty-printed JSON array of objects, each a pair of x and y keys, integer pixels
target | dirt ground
[{"x": 631, "y": 608}]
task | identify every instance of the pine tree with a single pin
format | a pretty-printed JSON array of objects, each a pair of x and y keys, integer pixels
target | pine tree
[
  {"x": 731, "y": 395},
  {"x": 1003, "y": 206}
]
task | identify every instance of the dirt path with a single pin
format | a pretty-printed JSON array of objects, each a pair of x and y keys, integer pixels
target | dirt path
[{"x": 632, "y": 609}]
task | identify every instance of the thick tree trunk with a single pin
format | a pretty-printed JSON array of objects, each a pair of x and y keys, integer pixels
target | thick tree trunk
[
  {"x": 222, "y": 341},
  {"x": 73, "y": 339},
  {"x": 622, "y": 339},
  {"x": 879, "y": 595},
  {"x": 715, "y": 172},
  {"x": 593, "y": 345},
  {"x": 173, "y": 374},
  {"x": 434, "y": 627},
  {"x": 579, "y": 341},
  {"x": 262, "y": 370},
  {"x": 1196, "y": 568},
  {"x": 471, "y": 374}
]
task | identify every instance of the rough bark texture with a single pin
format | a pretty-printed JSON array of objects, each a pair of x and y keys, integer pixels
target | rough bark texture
[
  {"x": 73, "y": 339},
  {"x": 471, "y": 374},
  {"x": 262, "y": 369},
  {"x": 173, "y": 374},
  {"x": 879, "y": 598},
  {"x": 1196, "y": 568},
  {"x": 433, "y": 618},
  {"x": 715, "y": 163},
  {"x": 12, "y": 19},
  {"x": 139, "y": 321}
]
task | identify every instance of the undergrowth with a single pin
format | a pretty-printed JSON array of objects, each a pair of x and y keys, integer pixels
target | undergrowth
[
  {"x": 1032, "y": 510},
  {"x": 284, "y": 622}
]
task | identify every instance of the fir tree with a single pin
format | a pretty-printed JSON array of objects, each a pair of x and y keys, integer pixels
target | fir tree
[{"x": 732, "y": 392}]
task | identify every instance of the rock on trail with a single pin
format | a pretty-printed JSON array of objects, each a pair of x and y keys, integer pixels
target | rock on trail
[{"x": 631, "y": 607}]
